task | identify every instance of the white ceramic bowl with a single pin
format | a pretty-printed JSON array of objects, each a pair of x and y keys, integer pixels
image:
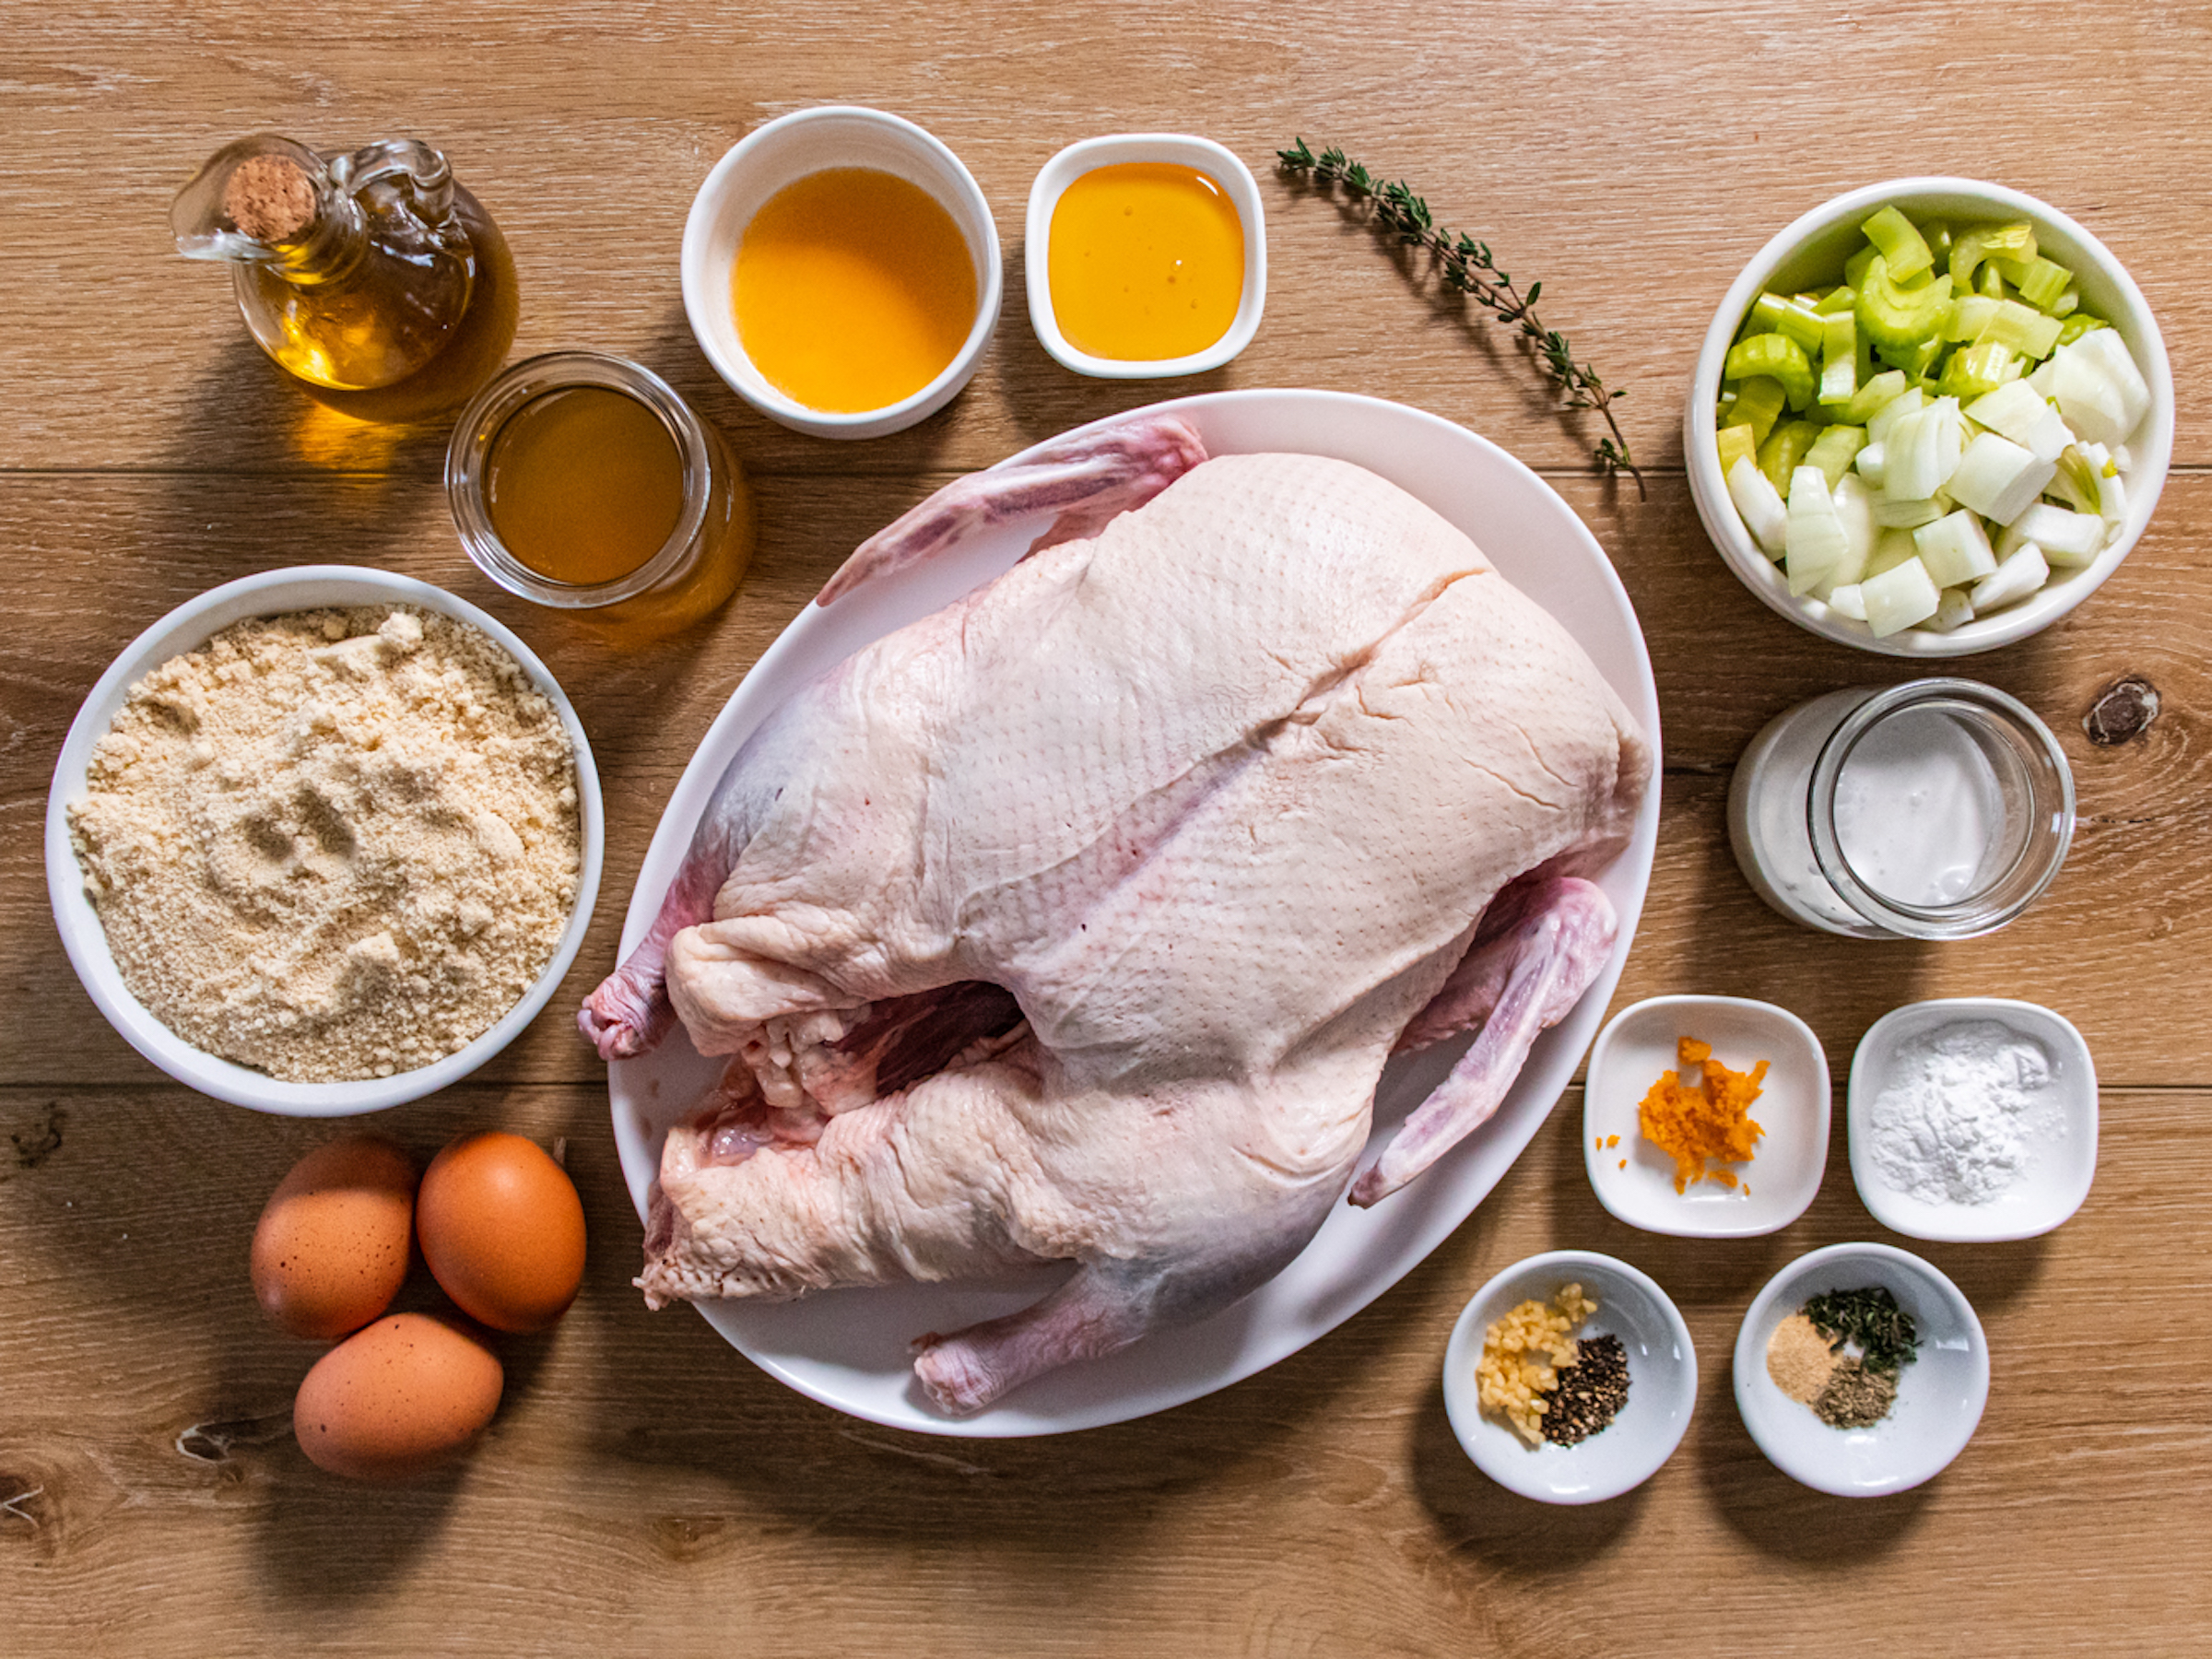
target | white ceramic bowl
[
  {"x": 2059, "y": 1132},
  {"x": 1939, "y": 1396},
  {"x": 1217, "y": 163},
  {"x": 1637, "y": 1046},
  {"x": 1813, "y": 250},
  {"x": 780, "y": 152},
  {"x": 302, "y": 587},
  {"x": 1663, "y": 1380}
]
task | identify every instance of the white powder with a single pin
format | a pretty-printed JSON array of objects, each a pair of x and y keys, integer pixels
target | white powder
[
  {"x": 1952, "y": 1122},
  {"x": 333, "y": 844}
]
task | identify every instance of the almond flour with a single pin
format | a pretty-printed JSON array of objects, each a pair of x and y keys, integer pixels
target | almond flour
[{"x": 333, "y": 844}]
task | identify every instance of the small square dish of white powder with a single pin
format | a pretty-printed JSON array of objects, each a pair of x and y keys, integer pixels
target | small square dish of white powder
[
  {"x": 333, "y": 844},
  {"x": 1972, "y": 1119}
]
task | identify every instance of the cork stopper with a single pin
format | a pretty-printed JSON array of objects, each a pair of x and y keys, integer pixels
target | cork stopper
[{"x": 269, "y": 198}]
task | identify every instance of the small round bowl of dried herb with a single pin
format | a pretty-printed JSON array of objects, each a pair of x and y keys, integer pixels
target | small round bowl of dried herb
[
  {"x": 1706, "y": 1117},
  {"x": 1570, "y": 1377},
  {"x": 1861, "y": 1370}
]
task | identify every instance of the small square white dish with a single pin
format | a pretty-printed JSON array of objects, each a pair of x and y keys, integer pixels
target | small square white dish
[
  {"x": 2058, "y": 1134},
  {"x": 1217, "y": 163},
  {"x": 1663, "y": 1380},
  {"x": 1635, "y": 1180},
  {"x": 1939, "y": 1396}
]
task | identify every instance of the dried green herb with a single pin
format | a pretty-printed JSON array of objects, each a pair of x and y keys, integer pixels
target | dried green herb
[
  {"x": 1883, "y": 1332},
  {"x": 1465, "y": 266}
]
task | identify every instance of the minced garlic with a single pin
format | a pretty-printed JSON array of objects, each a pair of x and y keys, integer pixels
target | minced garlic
[{"x": 1522, "y": 1355}]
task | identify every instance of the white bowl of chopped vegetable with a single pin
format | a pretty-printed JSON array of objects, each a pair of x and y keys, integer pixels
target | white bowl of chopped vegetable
[
  {"x": 1936, "y": 1396},
  {"x": 1955, "y": 410},
  {"x": 1640, "y": 1431}
]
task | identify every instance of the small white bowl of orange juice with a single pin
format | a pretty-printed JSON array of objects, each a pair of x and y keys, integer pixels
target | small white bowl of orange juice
[
  {"x": 842, "y": 271},
  {"x": 1148, "y": 257}
]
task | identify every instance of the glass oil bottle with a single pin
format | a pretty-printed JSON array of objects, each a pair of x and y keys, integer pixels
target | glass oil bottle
[{"x": 371, "y": 276}]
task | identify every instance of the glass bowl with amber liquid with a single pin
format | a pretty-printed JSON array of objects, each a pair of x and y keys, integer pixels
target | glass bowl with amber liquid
[{"x": 582, "y": 482}]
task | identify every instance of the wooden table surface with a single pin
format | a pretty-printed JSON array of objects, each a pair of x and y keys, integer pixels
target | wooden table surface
[{"x": 645, "y": 1489}]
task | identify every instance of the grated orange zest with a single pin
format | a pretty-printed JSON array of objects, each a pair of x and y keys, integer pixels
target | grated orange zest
[{"x": 1700, "y": 1115}]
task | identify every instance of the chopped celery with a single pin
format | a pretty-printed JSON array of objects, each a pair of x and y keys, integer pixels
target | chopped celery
[
  {"x": 1775, "y": 357},
  {"x": 1969, "y": 315},
  {"x": 1777, "y": 315},
  {"x": 1737, "y": 442},
  {"x": 2067, "y": 303},
  {"x": 1937, "y": 233},
  {"x": 1758, "y": 403},
  {"x": 1838, "y": 298},
  {"x": 1874, "y": 394},
  {"x": 1833, "y": 450},
  {"x": 1783, "y": 451},
  {"x": 1979, "y": 369},
  {"x": 1855, "y": 268},
  {"x": 1991, "y": 281},
  {"x": 1898, "y": 316},
  {"x": 1969, "y": 248},
  {"x": 2080, "y": 323},
  {"x": 1915, "y": 361},
  {"x": 2014, "y": 325},
  {"x": 1839, "y": 355},
  {"x": 1903, "y": 251},
  {"x": 2039, "y": 280}
]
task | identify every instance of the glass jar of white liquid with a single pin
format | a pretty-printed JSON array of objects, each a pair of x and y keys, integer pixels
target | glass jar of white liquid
[{"x": 1937, "y": 809}]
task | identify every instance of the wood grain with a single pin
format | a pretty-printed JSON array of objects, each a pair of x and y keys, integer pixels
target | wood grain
[{"x": 645, "y": 1489}]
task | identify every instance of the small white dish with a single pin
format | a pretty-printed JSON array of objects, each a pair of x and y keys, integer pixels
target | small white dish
[
  {"x": 1939, "y": 1396},
  {"x": 2060, "y": 1131},
  {"x": 782, "y": 152},
  {"x": 1635, "y": 1180},
  {"x": 1813, "y": 250},
  {"x": 1217, "y": 163},
  {"x": 1663, "y": 1380},
  {"x": 300, "y": 587}
]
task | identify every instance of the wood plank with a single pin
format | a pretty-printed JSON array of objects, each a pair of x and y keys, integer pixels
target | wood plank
[
  {"x": 641, "y": 1472},
  {"x": 588, "y": 138},
  {"x": 2117, "y": 943}
]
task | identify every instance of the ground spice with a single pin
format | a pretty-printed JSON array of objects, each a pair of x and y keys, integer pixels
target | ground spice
[
  {"x": 1590, "y": 1392},
  {"x": 1856, "y": 1396},
  {"x": 1799, "y": 1360},
  {"x": 1700, "y": 1114}
]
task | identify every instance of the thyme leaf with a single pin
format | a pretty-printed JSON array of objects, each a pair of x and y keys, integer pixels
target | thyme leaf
[
  {"x": 1887, "y": 1338},
  {"x": 1467, "y": 267}
]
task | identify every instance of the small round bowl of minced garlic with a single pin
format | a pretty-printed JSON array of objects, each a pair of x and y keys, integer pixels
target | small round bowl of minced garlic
[
  {"x": 1570, "y": 1377},
  {"x": 1861, "y": 1370}
]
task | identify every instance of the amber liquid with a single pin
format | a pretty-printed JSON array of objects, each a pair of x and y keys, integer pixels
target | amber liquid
[
  {"x": 473, "y": 352},
  {"x": 583, "y": 485},
  {"x": 853, "y": 289}
]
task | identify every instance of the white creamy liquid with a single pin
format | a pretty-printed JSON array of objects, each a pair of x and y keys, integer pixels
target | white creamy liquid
[{"x": 1919, "y": 809}]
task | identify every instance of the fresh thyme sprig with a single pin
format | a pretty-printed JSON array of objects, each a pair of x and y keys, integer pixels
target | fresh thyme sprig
[{"x": 1465, "y": 266}]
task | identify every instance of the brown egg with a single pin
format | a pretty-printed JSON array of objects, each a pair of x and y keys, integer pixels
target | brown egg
[
  {"x": 403, "y": 1396},
  {"x": 331, "y": 1247},
  {"x": 502, "y": 1228}
]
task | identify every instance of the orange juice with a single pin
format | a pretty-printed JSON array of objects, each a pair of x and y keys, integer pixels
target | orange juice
[
  {"x": 854, "y": 290},
  {"x": 1145, "y": 261}
]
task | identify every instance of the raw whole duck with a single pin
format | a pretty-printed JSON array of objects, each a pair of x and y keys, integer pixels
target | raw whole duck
[{"x": 1078, "y": 920}]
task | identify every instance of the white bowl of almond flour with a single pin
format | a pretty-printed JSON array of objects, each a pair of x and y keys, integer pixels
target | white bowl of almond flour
[{"x": 324, "y": 839}]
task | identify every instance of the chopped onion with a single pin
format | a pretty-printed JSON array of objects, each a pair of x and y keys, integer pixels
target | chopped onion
[
  {"x": 1760, "y": 504},
  {"x": 1900, "y": 597},
  {"x": 1955, "y": 548},
  {"x": 2023, "y": 572},
  {"x": 1998, "y": 480}
]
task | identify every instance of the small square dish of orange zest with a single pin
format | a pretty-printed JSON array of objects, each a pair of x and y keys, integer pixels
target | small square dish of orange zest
[{"x": 1700, "y": 1115}]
